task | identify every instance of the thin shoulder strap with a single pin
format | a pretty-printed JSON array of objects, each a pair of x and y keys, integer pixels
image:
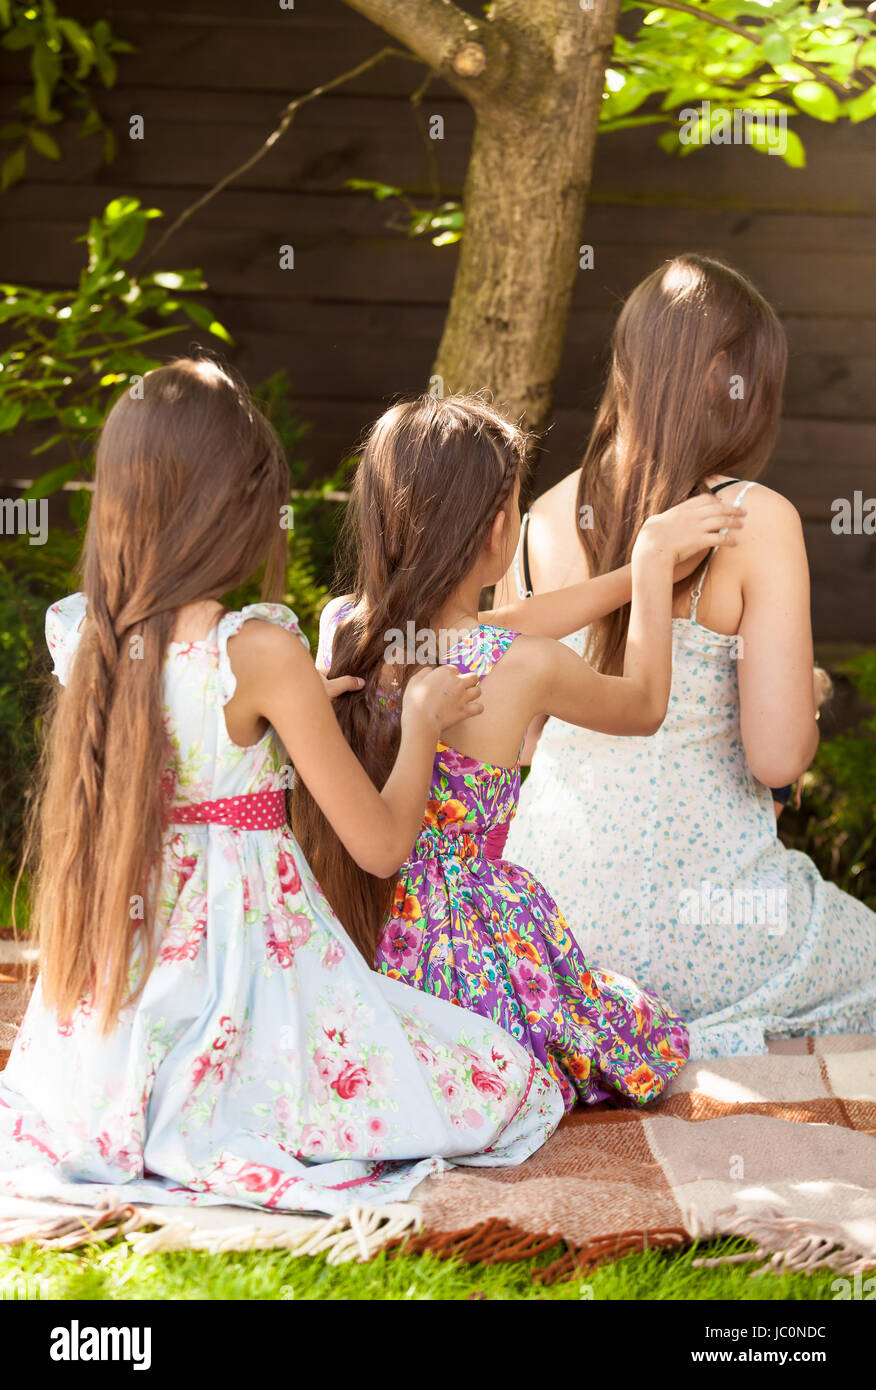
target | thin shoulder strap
[
  {"x": 697, "y": 593},
  {"x": 521, "y": 557},
  {"x": 480, "y": 649}
]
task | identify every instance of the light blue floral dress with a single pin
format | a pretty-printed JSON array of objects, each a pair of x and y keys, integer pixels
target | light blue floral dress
[
  {"x": 664, "y": 854},
  {"x": 263, "y": 1064}
]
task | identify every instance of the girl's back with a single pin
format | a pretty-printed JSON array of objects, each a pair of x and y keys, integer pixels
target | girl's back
[
  {"x": 468, "y": 925},
  {"x": 663, "y": 850}
]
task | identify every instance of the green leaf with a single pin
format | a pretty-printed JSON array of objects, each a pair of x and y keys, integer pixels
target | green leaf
[
  {"x": 14, "y": 168},
  {"x": 46, "y": 444},
  {"x": 80, "y": 43},
  {"x": 126, "y": 236},
  {"x": 20, "y": 36},
  {"x": 816, "y": 100},
  {"x": 791, "y": 150},
  {"x": 46, "y": 69},
  {"x": 627, "y": 122},
  {"x": 119, "y": 208},
  {"x": 219, "y": 331},
  {"x": 10, "y": 414},
  {"x": 380, "y": 191},
  {"x": 52, "y": 481},
  {"x": 81, "y": 417},
  {"x": 80, "y": 506},
  {"x": 198, "y": 313},
  {"x": 44, "y": 143},
  {"x": 863, "y": 107},
  {"x": 107, "y": 67},
  {"x": 177, "y": 279},
  {"x": 776, "y": 48}
]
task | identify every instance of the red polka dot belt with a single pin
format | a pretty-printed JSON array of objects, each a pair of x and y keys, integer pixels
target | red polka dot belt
[{"x": 255, "y": 811}]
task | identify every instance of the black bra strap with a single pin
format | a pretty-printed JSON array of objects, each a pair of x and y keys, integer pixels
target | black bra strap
[
  {"x": 524, "y": 553},
  {"x": 729, "y": 483}
]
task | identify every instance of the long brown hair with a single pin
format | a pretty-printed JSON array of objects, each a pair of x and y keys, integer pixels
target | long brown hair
[
  {"x": 694, "y": 389},
  {"x": 433, "y": 476},
  {"x": 189, "y": 485}
]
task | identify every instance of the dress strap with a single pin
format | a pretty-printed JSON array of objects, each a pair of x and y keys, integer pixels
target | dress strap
[
  {"x": 697, "y": 592},
  {"x": 521, "y": 560},
  {"x": 476, "y": 652}
]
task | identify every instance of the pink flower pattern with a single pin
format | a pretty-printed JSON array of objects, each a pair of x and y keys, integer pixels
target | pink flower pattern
[{"x": 244, "y": 1079}]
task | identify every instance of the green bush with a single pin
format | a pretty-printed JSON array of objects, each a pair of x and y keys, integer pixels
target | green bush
[
  {"x": 836, "y": 823},
  {"x": 34, "y": 576},
  {"x": 75, "y": 350}
]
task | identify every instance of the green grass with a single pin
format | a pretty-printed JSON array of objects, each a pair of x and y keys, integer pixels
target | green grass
[
  {"x": 7, "y": 888},
  {"x": 116, "y": 1273}
]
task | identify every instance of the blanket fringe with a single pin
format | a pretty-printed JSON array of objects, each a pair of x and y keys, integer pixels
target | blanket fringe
[
  {"x": 789, "y": 1245},
  {"x": 99, "y": 1224},
  {"x": 495, "y": 1241},
  {"x": 359, "y": 1234}
]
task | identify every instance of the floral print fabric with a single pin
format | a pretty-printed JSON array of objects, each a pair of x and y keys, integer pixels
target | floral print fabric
[
  {"x": 486, "y": 934},
  {"x": 664, "y": 853},
  {"x": 263, "y": 1064}
]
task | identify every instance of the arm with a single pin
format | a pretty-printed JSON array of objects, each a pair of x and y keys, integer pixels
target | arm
[
  {"x": 277, "y": 681},
  {"x": 636, "y": 701},
  {"x": 567, "y": 610},
  {"x": 563, "y": 611},
  {"x": 776, "y": 696}
]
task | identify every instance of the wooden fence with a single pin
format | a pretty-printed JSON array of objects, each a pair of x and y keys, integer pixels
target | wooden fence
[{"x": 358, "y": 318}]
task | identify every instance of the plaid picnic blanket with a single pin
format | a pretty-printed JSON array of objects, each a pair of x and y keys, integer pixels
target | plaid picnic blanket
[{"x": 780, "y": 1149}]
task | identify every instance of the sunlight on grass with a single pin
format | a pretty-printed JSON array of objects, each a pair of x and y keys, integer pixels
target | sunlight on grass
[{"x": 116, "y": 1273}]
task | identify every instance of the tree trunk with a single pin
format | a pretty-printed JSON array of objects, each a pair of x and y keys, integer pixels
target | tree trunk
[
  {"x": 533, "y": 71},
  {"x": 525, "y": 197}
]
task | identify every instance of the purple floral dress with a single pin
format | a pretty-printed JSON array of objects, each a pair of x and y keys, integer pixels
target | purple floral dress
[{"x": 471, "y": 927}]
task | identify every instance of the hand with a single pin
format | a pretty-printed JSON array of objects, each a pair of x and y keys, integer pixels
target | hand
[
  {"x": 442, "y": 696},
  {"x": 822, "y": 686},
  {"x": 341, "y": 685},
  {"x": 686, "y": 532}
]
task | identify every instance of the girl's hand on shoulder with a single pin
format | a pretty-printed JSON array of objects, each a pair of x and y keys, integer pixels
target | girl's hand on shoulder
[
  {"x": 441, "y": 696},
  {"x": 340, "y": 685},
  {"x": 687, "y": 530}
]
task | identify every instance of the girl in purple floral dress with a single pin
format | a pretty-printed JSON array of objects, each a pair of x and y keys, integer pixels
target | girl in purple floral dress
[{"x": 433, "y": 519}]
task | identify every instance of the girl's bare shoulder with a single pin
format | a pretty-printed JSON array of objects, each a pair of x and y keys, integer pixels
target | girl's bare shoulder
[{"x": 555, "y": 553}]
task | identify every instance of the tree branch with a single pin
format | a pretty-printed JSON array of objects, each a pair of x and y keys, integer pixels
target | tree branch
[
  {"x": 458, "y": 46},
  {"x": 751, "y": 36},
  {"x": 289, "y": 114}
]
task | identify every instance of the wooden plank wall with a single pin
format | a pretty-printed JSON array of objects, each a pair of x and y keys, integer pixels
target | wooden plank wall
[{"x": 358, "y": 318}]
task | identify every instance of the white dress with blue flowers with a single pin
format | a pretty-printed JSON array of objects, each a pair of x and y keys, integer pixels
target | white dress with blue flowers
[
  {"x": 663, "y": 854},
  {"x": 263, "y": 1063}
]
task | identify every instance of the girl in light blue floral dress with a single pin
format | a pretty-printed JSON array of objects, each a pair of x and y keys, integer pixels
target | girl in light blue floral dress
[{"x": 203, "y": 1030}]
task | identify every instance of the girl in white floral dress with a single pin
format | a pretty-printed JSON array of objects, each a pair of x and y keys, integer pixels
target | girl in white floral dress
[{"x": 207, "y": 1033}]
